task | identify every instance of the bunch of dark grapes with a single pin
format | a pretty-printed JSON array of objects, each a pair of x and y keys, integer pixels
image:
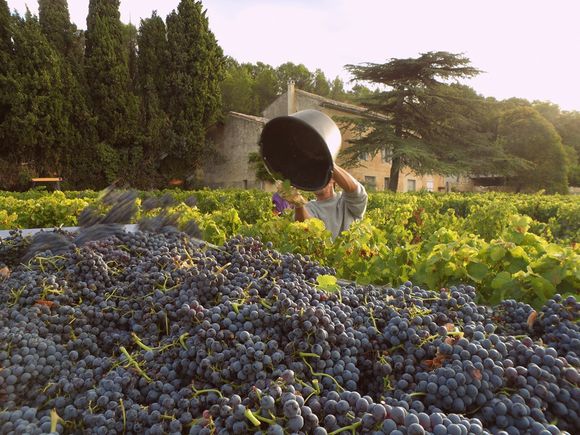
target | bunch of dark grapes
[
  {"x": 513, "y": 318},
  {"x": 558, "y": 325},
  {"x": 13, "y": 248}
]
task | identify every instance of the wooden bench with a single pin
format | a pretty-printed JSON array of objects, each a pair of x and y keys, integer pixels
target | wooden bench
[{"x": 55, "y": 180}]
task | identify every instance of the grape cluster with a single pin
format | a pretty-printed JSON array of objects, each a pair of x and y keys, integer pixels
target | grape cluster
[
  {"x": 558, "y": 325},
  {"x": 513, "y": 317},
  {"x": 13, "y": 248},
  {"x": 156, "y": 332}
]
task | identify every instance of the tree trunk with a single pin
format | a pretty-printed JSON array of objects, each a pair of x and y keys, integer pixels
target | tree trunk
[
  {"x": 396, "y": 161},
  {"x": 394, "y": 175}
]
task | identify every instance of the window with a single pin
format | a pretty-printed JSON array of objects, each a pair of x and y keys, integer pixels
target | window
[
  {"x": 386, "y": 156},
  {"x": 364, "y": 156},
  {"x": 411, "y": 186},
  {"x": 370, "y": 182},
  {"x": 386, "y": 183},
  {"x": 429, "y": 186}
]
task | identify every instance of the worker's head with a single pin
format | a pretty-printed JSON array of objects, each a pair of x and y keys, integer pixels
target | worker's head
[{"x": 326, "y": 192}]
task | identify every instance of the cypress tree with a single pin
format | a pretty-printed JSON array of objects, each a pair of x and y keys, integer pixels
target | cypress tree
[
  {"x": 194, "y": 97},
  {"x": 67, "y": 40},
  {"x": 6, "y": 61},
  {"x": 130, "y": 33},
  {"x": 107, "y": 72},
  {"x": 5, "y": 36},
  {"x": 64, "y": 35},
  {"x": 151, "y": 76},
  {"x": 153, "y": 55},
  {"x": 8, "y": 91},
  {"x": 54, "y": 19},
  {"x": 39, "y": 122}
]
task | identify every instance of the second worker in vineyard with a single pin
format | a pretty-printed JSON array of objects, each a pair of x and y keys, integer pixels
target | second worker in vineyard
[{"x": 338, "y": 210}]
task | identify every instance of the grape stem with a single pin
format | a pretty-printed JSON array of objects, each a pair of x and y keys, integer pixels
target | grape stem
[
  {"x": 197, "y": 392},
  {"x": 306, "y": 354},
  {"x": 124, "y": 415},
  {"x": 250, "y": 416},
  {"x": 134, "y": 363},
  {"x": 352, "y": 428},
  {"x": 54, "y": 419},
  {"x": 371, "y": 312},
  {"x": 322, "y": 374},
  {"x": 182, "y": 338},
  {"x": 139, "y": 343}
]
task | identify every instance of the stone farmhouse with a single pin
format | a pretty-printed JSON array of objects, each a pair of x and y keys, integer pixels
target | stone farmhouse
[{"x": 238, "y": 136}]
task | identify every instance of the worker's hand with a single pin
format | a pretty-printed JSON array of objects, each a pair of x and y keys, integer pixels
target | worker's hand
[{"x": 290, "y": 194}]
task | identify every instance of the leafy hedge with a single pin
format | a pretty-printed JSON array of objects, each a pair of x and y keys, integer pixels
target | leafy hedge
[
  {"x": 555, "y": 217},
  {"x": 508, "y": 246}
]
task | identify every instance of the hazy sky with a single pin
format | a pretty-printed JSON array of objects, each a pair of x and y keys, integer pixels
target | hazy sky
[{"x": 527, "y": 48}]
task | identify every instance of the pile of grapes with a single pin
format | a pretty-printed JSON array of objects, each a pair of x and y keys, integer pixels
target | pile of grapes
[{"x": 153, "y": 332}]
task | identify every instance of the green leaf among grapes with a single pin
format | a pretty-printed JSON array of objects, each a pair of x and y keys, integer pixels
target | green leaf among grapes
[{"x": 327, "y": 283}]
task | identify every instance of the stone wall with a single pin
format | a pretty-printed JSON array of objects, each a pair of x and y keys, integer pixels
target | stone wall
[
  {"x": 377, "y": 171},
  {"x": 278, "y": 108},
  {"x": 234, "y": 141}
]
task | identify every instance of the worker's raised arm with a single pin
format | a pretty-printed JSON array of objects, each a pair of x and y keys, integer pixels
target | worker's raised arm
[
  {"x": 346, "y": 181},
  {"x": 354, "y": 193}
]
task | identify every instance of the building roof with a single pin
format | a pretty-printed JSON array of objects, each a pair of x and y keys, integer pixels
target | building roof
[
  {"x": 345, "y": 107},
  {"x": 259, "y": 119}
]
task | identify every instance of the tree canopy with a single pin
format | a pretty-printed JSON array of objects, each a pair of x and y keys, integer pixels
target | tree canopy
[
  {"x": 133, "y": 103},
  {"x": 526, "y": 134},
  {"x": 427, "y": 122},
  {"x": 194, "y": 96}
]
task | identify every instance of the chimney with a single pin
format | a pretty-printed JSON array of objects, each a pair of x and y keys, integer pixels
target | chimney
[{"x": 291, "y": 94}]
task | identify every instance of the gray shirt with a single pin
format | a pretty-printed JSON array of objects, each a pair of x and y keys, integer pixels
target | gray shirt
[{"x": 339, "y": 212}]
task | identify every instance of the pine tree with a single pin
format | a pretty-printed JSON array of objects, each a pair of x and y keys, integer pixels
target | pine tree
[
  {"x": 237, "y": 88},
  {"x": 107, "y": 72},
  {"x": 194, "y": 97},
  {"x": 321, "y": 85},
  {"x": 265, "y": 86},
  {"x": 302, "y": 77},
  {"x": 426, "y": 118}
]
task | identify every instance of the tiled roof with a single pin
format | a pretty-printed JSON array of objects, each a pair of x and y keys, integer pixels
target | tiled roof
[
  {"x": 346, "y": 107},
  {"x": 259, "y": 119}
]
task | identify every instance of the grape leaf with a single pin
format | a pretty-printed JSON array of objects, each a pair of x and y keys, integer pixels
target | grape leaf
[
  {"x": 327, "y": 283},
  {"x": 477, "y": 271}
]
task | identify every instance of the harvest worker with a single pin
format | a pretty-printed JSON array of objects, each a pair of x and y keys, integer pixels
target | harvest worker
[
  {"x": 337, "y": 210},
  {"x": 279, "y": 203}
]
